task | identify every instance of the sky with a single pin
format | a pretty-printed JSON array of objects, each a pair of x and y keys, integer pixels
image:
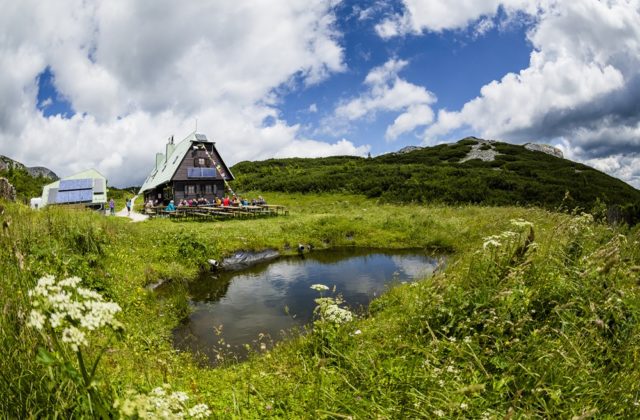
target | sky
[{"x": 104, "y": 84}]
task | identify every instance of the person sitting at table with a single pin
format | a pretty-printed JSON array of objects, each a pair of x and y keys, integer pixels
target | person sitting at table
[
  {"x": 226, "y": 201},
  {"x": 170, "y": 206},
  {"x": 244, "y": 201},
  {"x": 218, "y": 201},
  {"x": 235, "y": 201},
  {"x": 261, "y": 200}
]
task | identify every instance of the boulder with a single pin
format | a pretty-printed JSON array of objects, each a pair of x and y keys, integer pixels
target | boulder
[
  {"x": 7, "y": 191},
  {"x": 544, "y": 148}
]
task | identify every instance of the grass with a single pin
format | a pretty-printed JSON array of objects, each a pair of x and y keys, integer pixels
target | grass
[{"x": 544, "y": 330}]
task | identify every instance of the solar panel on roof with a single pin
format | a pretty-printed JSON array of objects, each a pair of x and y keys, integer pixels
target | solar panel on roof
[
  {"x": 201, "y": 172},
  {"x": 76, "y": 184},
  {"x": 78, "y": 196},
  {"x": 201, "y": 137}
]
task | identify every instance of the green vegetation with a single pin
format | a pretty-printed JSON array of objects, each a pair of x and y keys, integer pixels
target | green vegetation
[
  {"x": 542, "y": 321},
  {"x": 27, "y": 186},
  {"x": 517, "y": 176}
]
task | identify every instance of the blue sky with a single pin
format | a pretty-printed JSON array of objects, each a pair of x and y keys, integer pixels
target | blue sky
[
  {"x": 107, "y": 83},
  {"x": 454, "y": 65}
]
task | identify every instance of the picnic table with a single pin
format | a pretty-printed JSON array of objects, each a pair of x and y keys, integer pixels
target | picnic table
[{"x": 216, "y": 212}]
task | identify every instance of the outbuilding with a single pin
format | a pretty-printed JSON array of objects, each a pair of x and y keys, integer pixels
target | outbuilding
[{"x": 87, "y": 188}]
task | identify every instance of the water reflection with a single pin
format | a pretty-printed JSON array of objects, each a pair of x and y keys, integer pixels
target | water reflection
[{"x": 256, "y": 305}]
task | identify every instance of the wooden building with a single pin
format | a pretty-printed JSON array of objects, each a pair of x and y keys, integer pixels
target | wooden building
[{"x": 190, "y": 169}]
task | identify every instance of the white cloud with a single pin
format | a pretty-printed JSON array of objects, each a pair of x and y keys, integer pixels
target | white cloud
[
  {"x": 439, "y": 15},
  {"x": 386, "y": 91},
  {"x": 581, "y": 87},
  {"x": 136, "y": 72}
]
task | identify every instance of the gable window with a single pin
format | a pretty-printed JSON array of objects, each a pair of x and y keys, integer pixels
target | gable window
[{"x": 200, "y": 162}]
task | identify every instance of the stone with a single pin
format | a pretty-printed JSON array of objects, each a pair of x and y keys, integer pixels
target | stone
[
  {"x": 7, "y": 191},
  {"x": 544, "y": 148}
]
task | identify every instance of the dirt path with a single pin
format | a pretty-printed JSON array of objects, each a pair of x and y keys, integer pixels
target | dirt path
[{"x": 134, "y": 216}]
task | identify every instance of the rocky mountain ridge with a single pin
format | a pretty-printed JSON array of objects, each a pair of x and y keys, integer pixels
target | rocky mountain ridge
[
  {"x": 484, "y": 151},
  {"x": 7, "y": 163}
]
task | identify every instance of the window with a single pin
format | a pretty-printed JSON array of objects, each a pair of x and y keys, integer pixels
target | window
[
  {"x": 207, "y": 189},
  {"x": 200, "y": 162},
  {"x": 190, "y": 189}
]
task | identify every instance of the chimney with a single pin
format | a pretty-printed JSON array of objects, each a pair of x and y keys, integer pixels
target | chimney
[
  {"x": 159, "y": 160},
  {"x": 170, "y": 147}
]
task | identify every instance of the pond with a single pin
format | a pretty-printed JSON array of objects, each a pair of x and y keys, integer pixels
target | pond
[{"x": 237, "y": 312}]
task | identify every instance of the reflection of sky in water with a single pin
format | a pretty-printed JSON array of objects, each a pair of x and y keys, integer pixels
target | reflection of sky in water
[{"x": 255, "y": 299}]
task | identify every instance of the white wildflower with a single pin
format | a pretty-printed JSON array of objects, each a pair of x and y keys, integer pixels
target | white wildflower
[
  {"x": 70, "y": 282},
  {"x": 319, "y": 287},
  {"x": 56, "y": 318},
  {"x": 179, "y": 396},
  {"x": 439, "y": 413},
  {"x": 464, "y": 406},
  {"x": 491, "y": 242},
  {"x": 70, "y": 310},
  {"x": 36, "y": 319},
  {"x": 521, "y": 223},
  {"x": 199, "y": 411},
  {"x": 357, "y": 332},
  {"x": 74, "y": 337},
  {"x": 158, "y": 392}
]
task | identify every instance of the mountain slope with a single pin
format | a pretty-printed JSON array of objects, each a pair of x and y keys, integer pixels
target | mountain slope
[
  {"x": 514, "y": 176},
  {"x": 27, "y": 181}
]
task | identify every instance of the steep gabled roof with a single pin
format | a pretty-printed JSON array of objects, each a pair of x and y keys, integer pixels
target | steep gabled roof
[{"x": 165, "y": 169}]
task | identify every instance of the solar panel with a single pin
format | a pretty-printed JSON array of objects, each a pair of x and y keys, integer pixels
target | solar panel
[
  {"x": 79, "y": 196},
  {"x": 208, "y": 172},
  {"x": 201, "y": 172},
  {"x": 201, "y": 137},
  {"x": 76, "y": 184},
  {"x": 98, "y": 186}
]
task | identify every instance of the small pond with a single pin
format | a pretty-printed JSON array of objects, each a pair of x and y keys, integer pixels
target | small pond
[{"x": 253, "y": 308}]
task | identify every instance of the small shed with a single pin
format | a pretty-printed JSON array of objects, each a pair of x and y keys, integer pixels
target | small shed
[
  {"x": 88, "y": 188},
  {"x": 190, "y": 169}
]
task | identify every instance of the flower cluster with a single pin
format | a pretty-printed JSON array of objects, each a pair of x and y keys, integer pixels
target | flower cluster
[
  {"x": 496, "y": 241},
  {"x": 70, "y": 310},
  {"x": 160, "y": 404},
  {"x": 329, "y": 310},
  {"x": 319, "y": 287}
]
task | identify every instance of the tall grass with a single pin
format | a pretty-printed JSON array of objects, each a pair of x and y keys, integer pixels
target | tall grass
[{"x": 545, "y": 324}]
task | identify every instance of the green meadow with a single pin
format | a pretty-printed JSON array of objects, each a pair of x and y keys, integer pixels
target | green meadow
[{"x": 536, "y": 314}]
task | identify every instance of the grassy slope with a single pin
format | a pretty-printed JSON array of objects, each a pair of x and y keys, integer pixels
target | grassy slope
[
  {"x": 434, "y": 174},
  {"x": 554, "y": 333}
]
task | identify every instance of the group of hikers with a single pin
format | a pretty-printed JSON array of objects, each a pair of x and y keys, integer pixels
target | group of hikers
[{"x": 234, "y": 201}]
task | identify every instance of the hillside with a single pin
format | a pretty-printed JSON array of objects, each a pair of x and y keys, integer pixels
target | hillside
[
  {"x": 516, "y": 176},
  {"x": 27, "y": 181}
]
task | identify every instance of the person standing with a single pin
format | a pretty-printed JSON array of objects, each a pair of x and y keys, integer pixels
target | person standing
[
  {"x": 112, "y": 207},
  {"x": 128, "y": 206}
]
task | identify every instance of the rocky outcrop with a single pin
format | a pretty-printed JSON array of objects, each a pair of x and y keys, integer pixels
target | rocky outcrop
[
  {"x": 7, "y": 191},
  {"x": 544, "y": 148},
  {"x": 482, "y": 150},
  {"x": 408, "y": 149},
  {"x": 36, "y": 171}
]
